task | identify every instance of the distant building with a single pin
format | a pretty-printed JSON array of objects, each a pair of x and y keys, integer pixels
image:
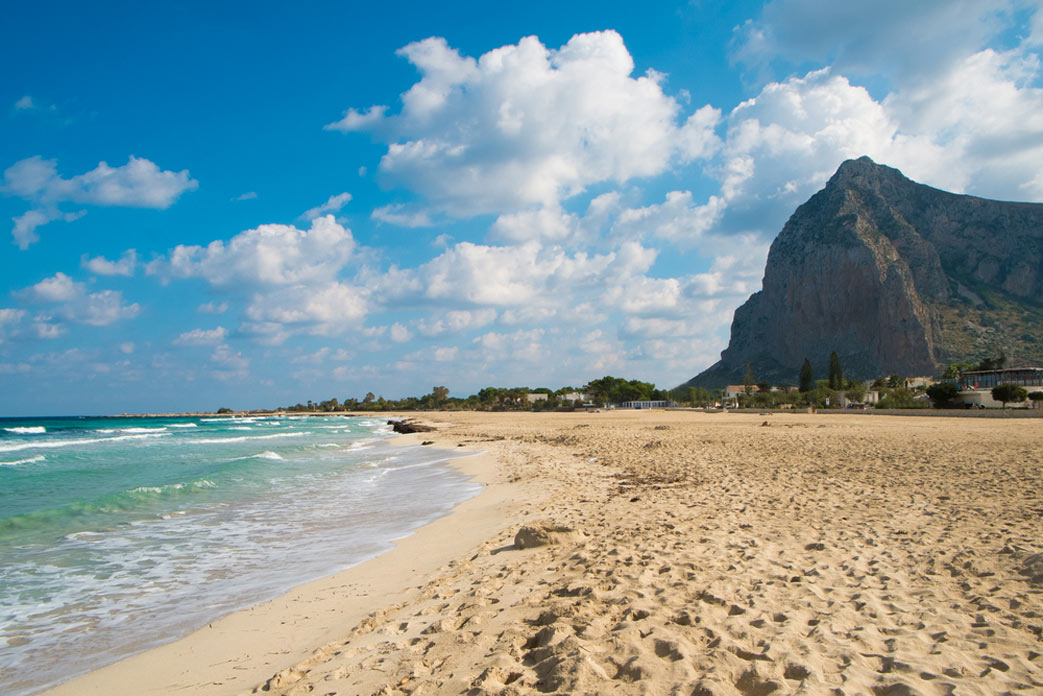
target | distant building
[
  {"x": 573, "y": 397},
  {"x": 976, "y": 385},
  {"x": 533, "y": 397},
  {"x": 644, "y": 404},
  {"x": 919, "y": 382},
  {"x": 987, "y": 379},
  {"x": 732, "y": 391}
]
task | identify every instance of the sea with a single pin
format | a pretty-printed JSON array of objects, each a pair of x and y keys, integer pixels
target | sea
[{"x": 119, "y": 534}]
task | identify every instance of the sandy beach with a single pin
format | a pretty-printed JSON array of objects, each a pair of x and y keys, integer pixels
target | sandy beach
[{"x": 671, "y": 552}]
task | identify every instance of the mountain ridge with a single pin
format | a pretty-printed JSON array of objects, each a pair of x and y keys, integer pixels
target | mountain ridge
[{"x": 896, "y": 277}]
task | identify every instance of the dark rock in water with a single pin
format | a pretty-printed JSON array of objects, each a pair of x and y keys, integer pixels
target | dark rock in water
[
  {"x": 407, "y": 426},
  {"x": 894, "y": 276}
]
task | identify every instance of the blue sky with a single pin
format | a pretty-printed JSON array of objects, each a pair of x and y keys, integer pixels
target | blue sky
[{"x": 249, "y": 205}]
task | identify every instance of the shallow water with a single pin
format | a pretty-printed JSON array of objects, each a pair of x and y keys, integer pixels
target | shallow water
[{"x": 120, "y": 534}]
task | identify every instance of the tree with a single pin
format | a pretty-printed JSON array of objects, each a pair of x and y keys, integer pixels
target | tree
[
  {"x": 440, "y": 394},
  {"x": 836, "y": 375},
  {"x": 748, "y": 380},
  {"x": 807, "y": 377},
  {"x": 369, "y": 398},
  {"x": 895, "y": 381},
  {"x": 1036, "y": 397},
  {"x": 856, "y": 391},
  {"x": 997, "y": 363},
  {"x": 1005, "y": 393},
  {"x": 955, "y": 370},
  {"x": 942, "y": 394}
]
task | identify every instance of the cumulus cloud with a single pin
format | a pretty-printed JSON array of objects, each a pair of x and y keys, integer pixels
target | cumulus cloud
[
  {"x": 229, "y": 364},
  {"x": 549, "y": 223},
  {"x": 525, "y": 125},
  {"x": 139, "y": 183},
  {"x": 124, "y": 266},
  {"x": 905, "y": 41},
  {"x": 25, "y": 103},
  {"x": 474, "y": 274},
  {"x": 24, "y": 230},
  {"x": 456, "y": 321},
  {"x": 76, "y": 304},
  {"x": 677, "y": 219},
  {"x": 401, "y": 216},
  {"x": 978, "y": 128},
  {"x": 522, "y": 345},
  {"x": 9, "y": 319},
  {"x": 212, "y": 307},
  {"x": 331, "y": 305},
  {"x": 269, "y": 255},
  {"x": 202, "y": 337},
  {"x": 333, "y": 204},
  {"x": 399, "y": 333}
]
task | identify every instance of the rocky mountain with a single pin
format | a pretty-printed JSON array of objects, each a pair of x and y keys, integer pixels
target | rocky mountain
[{"x": 894, "y": 276}]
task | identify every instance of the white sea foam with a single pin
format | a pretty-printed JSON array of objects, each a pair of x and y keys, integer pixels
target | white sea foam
[
  {"x": 32, "y": 430},
  {"x": 201, "y": 483},
  {"x": 131, "y": 431},
  {"x": 242, "y": 438},
  {"x": 184, "y": 425},
  {"x": 241, "y": 427},
  {"x": 70, "y": 443},
  {"x": 30, "y": 460},
  {"x": 268, "y": 454}
]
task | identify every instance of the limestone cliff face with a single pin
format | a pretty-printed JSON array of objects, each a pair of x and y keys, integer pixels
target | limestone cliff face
[{"x": 895, "y": 277}]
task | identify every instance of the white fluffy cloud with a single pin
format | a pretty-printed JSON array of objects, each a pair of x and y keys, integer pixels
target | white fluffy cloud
[
  {"x": 9, "y": 319},
  {"x": 76, "y": 304},
  {"x": 521, "y": 345},
  {"x": 676, "y": 219},
  {"x": 229, "y": 364},
  {"x": 139, "y": 183},
  {"x": 212, "y": 307},
  {"x": 474, "y": 274},
  {"x": 124, "y": 266},
  {"x": 329, "y": 305},
  {"x": 456, "y": 321},
  {"x": 524, "y": 125},
  {"x": 399, "y": 333},
  {"x": 24, "y": 230},
  {"x": 269, "y": 255},
  {"x": 401, "y": 216}
]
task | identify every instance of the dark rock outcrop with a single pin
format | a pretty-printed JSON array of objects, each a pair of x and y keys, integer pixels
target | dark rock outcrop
[
  {"x": 894, "y": 276},
  {"x": 409, "y": 426}
]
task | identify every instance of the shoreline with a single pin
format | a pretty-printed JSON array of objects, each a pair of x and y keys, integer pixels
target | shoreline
[
  {"x": 242, "y": 649},
  {"x": 686, "y": 553}
]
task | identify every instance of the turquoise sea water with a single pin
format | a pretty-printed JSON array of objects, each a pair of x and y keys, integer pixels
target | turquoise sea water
[{"x": 117, "y": 534}]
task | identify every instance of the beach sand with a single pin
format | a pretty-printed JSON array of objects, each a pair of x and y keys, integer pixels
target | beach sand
[{"x": 689, "y": 553}]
